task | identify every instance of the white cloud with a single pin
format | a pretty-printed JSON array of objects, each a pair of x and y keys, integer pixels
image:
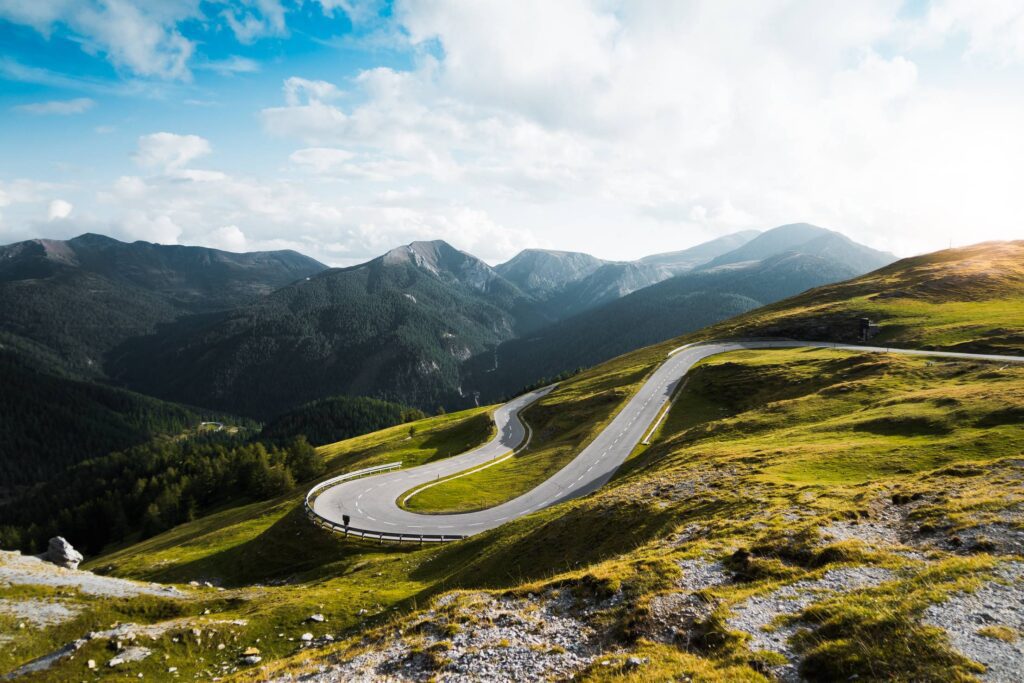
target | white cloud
[
  {"x": 228, "y": 238},
  {"x": 611, "y": 126},
  {"x": 298, "y": 91},
  {"x": 321, "y": 159},
  {"x": 145, "y": 38},
  {"x": 140, "y": 38},
  {"x": 358, "y": 11},
  {"x": 337, "y": 227},
  {"x": 60, "y": 107},
  {"x": 230, "y": 66},
  {"x": 23, "y": 191},
  {"x": 253, "y": 20},
  {"x": 142, "y": 225},
  {"x": 168, "y": 151},
  {"x": 587, "y": 121},
  {"x": 59, "y": 209},
  {"x": 994, "y": 30}
]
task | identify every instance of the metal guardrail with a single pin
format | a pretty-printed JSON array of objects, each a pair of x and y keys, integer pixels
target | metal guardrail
[{"x": 368, "y": 534}]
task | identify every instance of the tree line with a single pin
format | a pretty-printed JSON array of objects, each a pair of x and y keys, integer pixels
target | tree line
[{"x": 145, "y": 490}]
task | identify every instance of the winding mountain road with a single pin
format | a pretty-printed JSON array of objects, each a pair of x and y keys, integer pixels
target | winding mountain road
[{"x": 371, "y": 503}]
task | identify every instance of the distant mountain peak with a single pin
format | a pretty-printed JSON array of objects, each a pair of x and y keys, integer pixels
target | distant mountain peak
[
  {"x": 94, "y": 238},
  {"x": 426, "y": 254},
  {"x": 808, "y": 239},
  {"x": 441, "y": 259},
  {"x": 699, "y": 254},
  {"x": 542, "y": 271}
]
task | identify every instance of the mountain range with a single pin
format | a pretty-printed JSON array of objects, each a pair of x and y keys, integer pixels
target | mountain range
[
  {"x": 71, "y": 302},
  {"x": 424, "y": 324}
]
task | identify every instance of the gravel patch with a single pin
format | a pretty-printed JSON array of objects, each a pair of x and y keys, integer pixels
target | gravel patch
[
  {"x": 699, "y": 574},
  {"x": 878, "y": 533},
  {"x": 761, "y": 611},
  {"x": 887, "y": 526},
  {"x": 998, "y": 603},
  {"x": 672, "y": 616},
  {"x": 38, "y": 612},
  {"x": 18, "y": 569},
  {"x": 129, "y": 654},
  {"x": 481, "y": 638},
  {"x": 998, "y": 539}
]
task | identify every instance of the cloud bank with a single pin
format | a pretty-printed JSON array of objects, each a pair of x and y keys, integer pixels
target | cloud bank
[{"x": 620, "y": 128}]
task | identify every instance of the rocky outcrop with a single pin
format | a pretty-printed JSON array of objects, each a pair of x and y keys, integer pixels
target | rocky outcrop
[{"x": 62, "y": 553}]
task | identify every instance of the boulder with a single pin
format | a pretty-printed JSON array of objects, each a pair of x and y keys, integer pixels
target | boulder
[{"x": 62, "y": 553}]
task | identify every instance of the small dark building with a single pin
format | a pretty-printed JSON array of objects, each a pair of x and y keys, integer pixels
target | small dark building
[{"x": 868, "y": 329}]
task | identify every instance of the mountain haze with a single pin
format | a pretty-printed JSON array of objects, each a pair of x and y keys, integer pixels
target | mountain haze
[
  {"x": 610, "y": 280},
  {"x": 687, "y": 259},
  {"x": 681, "y": 304},
  {"x": 542, "y": 272},
  {"x": 805, "y": 239}
]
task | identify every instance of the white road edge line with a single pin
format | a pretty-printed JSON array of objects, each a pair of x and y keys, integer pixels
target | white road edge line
[
  {"x": 646, "y": 441},
  {"x": 521, "y": 447}
]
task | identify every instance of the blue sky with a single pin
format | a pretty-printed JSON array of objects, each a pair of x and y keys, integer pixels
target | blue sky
[
  {"x": 342, "y": 128},
  {"x": 227, "y": 83}
]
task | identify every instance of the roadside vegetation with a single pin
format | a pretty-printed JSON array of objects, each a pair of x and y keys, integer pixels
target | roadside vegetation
[{"x": 563, "y": 423}]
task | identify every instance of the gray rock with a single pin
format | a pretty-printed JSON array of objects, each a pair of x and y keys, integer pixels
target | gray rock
[
  {"x": 131, "y": 654},
  {"x": 63, "y": 554}
]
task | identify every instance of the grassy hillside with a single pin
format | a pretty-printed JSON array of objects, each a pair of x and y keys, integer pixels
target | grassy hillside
[
  {"x": 776, "y": 470},
  {"x": 830, "y": 514},
  {"x": 969, "y": 299},
  {"x": 219, "y": 547}
]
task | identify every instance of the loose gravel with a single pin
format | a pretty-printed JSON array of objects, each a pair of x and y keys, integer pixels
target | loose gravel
[
  {"x": 761, "y": 611},
  {"x": 998, "y": 603},
  {"x": 497, "y": 638}
]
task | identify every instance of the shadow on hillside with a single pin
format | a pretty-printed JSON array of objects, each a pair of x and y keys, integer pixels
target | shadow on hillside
[
  {"x": 468, "y": 434},
  {"x": 905, "y": 425},
  {"x": 290, "y": 550},
  {"x": 545, "y": 544}
]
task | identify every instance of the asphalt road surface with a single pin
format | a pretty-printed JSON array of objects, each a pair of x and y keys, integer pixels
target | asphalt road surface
[{"x": 372, "y": 502}]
